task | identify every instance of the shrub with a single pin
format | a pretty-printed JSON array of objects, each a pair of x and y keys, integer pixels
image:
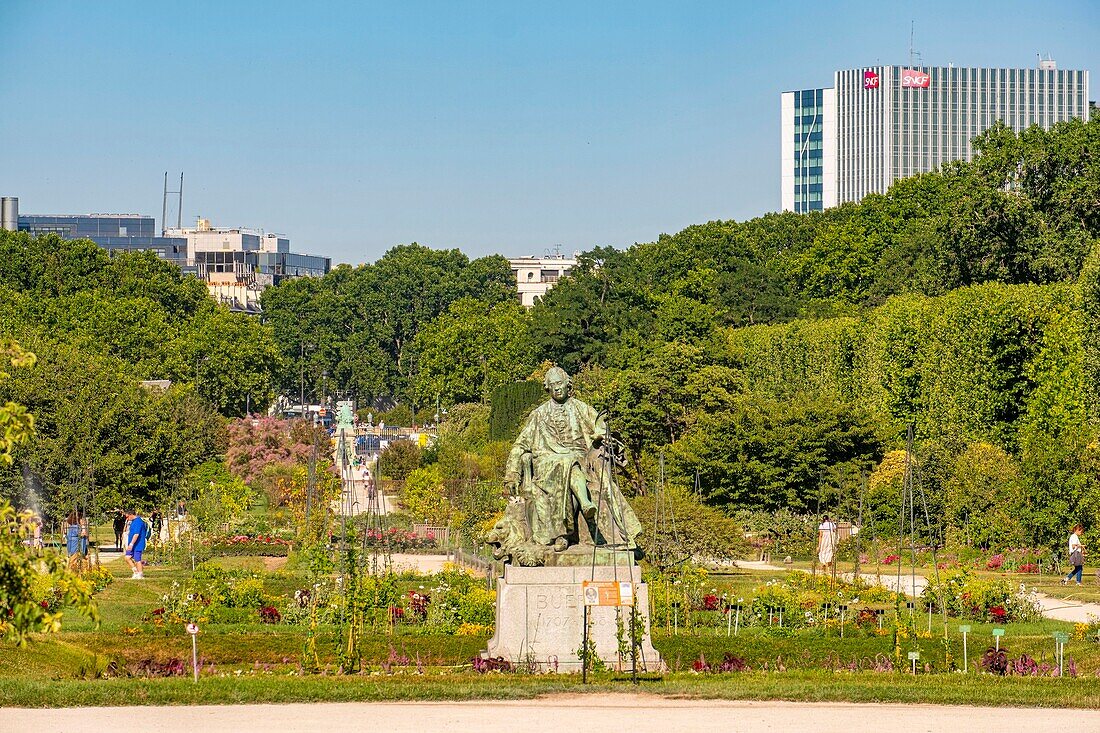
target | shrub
[
  {"x": 270, "y": 615},
  {"x": 399, "y": 459},
  {"x": 424, "y": 497},
  {"x": 976, "y": 599}
]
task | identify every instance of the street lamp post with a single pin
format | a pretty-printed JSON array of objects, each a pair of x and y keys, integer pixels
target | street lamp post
[{"x": 302, "y": 385}]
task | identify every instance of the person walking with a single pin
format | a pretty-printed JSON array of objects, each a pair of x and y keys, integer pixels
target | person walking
[
  {"x": 1076, "y": 555},
  {"x": 135, "y": 542},
  {"x": 826, "y": 542},
  {"x": 72, "y": 534},
  {"x": 118, "y": 523}
]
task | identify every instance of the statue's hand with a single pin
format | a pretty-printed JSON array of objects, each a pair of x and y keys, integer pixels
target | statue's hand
[{"x": 512, "y": 487}]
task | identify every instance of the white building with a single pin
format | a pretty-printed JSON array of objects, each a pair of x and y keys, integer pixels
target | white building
[
  {"x": 536, "y": 275},
  {"x": 881, "y": 123},
  {"x": 238, "y": 263}
]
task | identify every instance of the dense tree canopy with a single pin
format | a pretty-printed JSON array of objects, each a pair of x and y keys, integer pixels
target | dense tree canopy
[{"x": 99, "y": 326}]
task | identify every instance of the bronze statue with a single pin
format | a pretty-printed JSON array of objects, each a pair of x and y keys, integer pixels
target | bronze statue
[{"x": 560, "y": 476}]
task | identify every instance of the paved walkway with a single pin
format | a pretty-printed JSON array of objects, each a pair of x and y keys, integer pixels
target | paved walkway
[
  {"x": 630, "y": 712},
  {"x": 1061, "y": 609}
]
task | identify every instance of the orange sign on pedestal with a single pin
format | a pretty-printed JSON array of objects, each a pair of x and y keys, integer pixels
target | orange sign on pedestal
[{"x": 607, "y": 593}]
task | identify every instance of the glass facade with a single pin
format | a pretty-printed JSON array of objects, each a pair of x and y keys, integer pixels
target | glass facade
[
  {"x": 276, "y": 266},
  {"x": 808, "y": 133},
  {"x": 114, "y": 233}
]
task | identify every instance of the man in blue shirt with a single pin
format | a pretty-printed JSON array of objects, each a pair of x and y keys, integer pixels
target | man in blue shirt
[{"x": 135, "y": 542}]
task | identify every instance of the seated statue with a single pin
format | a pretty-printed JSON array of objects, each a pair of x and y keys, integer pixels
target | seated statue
[{"x": 559, "y": 474}]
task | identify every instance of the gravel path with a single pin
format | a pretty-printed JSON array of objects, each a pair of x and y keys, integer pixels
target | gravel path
[{"x": 622, "y": 712}]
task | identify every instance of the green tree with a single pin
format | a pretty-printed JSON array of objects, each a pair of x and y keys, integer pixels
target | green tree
[
  {"x": 399, "y": 459},
  {"x": 984, "y": 497},
  {"x": 769, "y": 454},
  {"x": 424, "y": 498},
  {"x": 469, "y": 351},
  {"x": 687, "y": 529}
]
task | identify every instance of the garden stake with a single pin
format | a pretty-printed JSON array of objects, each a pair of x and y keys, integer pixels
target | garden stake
[
  {"x": 997, "y": 634},
  {"x": 729, "y": 620},
  {"x": 584, "y": 649},
  {"x": 193, "y": 630},
  {"x": 737, "y": 620},
  {"x": 634, "y": 644},
  {"x": 965, "y": 629}
]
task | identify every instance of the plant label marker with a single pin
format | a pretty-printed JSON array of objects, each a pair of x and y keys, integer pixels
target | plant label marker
[
  {"x": 997, "y": 634},
  {"x": 913, "y": 657},
  {"x": 1060, "y": 639},
  {"x": 193, "y": 630},
  {"x": 965, "y": 629}
]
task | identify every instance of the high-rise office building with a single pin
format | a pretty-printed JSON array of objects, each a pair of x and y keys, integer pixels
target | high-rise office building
[
  {"x": 809, "y": 150},
  {"x": 881, "y": 123}
]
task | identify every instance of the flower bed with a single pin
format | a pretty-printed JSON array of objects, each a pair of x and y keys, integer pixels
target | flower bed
[
  {"x": 264, "y": 545},
  {"x": 399, "y": 540}
]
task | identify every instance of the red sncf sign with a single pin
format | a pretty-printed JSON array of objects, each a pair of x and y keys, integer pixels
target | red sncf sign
[
  {"x": 870, "y": 80},
  {"x": 913, "y": 78}
]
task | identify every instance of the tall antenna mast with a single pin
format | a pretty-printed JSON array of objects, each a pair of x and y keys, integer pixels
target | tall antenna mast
[
  {"x": 912, "y": 24},
  {"x": 164, "y": 207}
]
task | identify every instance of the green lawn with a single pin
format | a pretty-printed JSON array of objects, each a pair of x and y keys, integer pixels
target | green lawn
[{"x": 799, "y": 685}]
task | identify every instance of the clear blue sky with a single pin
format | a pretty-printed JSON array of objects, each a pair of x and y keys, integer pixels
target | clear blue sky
[{"x": 505, "y": 127}]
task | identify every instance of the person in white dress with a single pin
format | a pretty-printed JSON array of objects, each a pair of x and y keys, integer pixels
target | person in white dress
[{"x": 826, "y": 542}]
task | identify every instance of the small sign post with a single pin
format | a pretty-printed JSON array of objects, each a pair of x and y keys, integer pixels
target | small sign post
[
  {"x": 913, "y": 657},
  {"x": 965, "y": 629},
  {"x": 1060, "y": 639},
  {"x": 997, "y": 634},
  {"x": 843, "y": 611},
  {"x": 193, "y": 630}
]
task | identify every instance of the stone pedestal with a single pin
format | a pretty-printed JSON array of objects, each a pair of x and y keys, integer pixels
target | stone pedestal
[{"x": 540, "y": 619}]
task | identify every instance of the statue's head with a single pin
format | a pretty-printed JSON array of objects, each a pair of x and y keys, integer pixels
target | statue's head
[{"x": 557, "y": 383}]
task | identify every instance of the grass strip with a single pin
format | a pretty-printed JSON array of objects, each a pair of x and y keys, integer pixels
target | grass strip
[{"x": 800, "y": 685}]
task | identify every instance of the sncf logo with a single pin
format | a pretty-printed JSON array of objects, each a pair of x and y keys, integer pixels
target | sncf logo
[
  {"x": 870, "y": 80},
  {"x": 911, "y": 78}
]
